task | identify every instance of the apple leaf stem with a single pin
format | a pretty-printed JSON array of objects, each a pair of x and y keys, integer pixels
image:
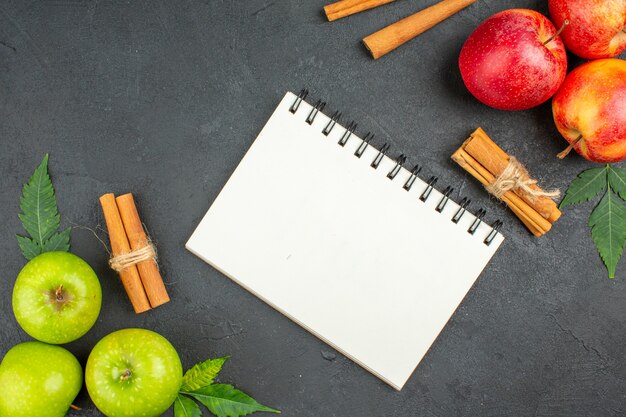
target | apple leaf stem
[
  {"x": 558, "y": 32},
  {"x": 567, "y": 150},
  {"x": 75, "y": 407},
  {"x": 126, "y": 375},
  {"x": 59, "y": 293}
]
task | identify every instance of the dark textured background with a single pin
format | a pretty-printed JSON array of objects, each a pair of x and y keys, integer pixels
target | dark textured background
[{"x": 162, "y": 98}]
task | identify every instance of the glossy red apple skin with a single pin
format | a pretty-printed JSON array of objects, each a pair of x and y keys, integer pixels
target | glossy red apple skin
[
  {"x": 505, "y": 65},
  {"x": 592, "y": 102},
  {"x": 596, "y": 27}
]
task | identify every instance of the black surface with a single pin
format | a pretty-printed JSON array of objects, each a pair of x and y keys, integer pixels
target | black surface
[{"x": 162, "y": 98}]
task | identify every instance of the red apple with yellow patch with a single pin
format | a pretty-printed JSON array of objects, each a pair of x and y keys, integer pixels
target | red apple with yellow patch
[
  {"x": 514, "y": 60},
  {"x": 590, "y": 110},
  {"x": 597, "y": 28}
]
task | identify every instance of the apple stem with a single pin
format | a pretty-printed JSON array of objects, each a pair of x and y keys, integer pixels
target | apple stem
[
  {"x": 558, "y": 32},
  {"x": 127, "y": 373},
  {"x": 59, "y": 293},
  {"x": 567, "y": 150},
  {"x": 74, "y": 407}
]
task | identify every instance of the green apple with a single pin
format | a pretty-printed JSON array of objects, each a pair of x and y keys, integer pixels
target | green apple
[
  {"x": 57, "y": 297},
  {"x": 39, "y": 380},
  {"x": 133, "y": 373}
]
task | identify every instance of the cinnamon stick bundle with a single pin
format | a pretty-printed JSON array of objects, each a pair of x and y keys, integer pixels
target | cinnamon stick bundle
[
  {"x": 133, "y": 255},
  {"x": 487, "y": 162},
  {"x": 119, "y": 245}
]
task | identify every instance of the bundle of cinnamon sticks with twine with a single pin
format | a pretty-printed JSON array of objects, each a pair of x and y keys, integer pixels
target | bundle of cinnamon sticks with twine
[
  {"x": 507, "y": 179},
  {"x": 133, "y": 255}
]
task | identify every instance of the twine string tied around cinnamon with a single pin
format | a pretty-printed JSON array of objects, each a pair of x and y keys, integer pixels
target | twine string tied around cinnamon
[
  {"x": 125, "y": 260},
  {"x": 516, "y": 177}
]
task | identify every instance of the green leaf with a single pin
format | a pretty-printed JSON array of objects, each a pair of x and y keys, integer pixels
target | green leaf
[
  {"x": 224, "y": 400},
  {"x": 40, "y": 216},
  {"x": 617, "y": 180},
  {"x": 59, "y": 241},
  {"x": 587, "y": 185},
  {"x": 202, "y": 374},
  {"x": 186, "y": 407},
  {"x": 29, "y": 248},
  {"x": 608, "y": 230}
]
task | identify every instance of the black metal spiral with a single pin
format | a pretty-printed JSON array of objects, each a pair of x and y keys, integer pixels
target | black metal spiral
[
  {"x": 462, "y": 209},
  {"x": 430, "y": 185},
  {"x": 396, "y": 169},
  {"x": 363, "y": 146},
  {"x": 444, "y": 199},
  {"x": 319, "y": 106},
  {"x": 299, "y": 99},
  {"x": 381, "y": 153},
  {"x": 414, "y": 172},
  {"x": 479, "y": 218},
  {"x": 331, "y": 124},
  {"x": 400, "y": 161},
  {"x": 346, "y": 135},
  {"x": 494, "y": 232}
]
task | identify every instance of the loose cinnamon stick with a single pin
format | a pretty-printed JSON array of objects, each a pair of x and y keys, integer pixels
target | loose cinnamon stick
[
  {"x": 391, "y": 37},
  {"x": 537, "y": 225},
  {"x": 119, "y": 245},
  {"x": 148, "y": 270},
  {"x": 495, "y": 160},
  {"x": 346, "y": 8}
]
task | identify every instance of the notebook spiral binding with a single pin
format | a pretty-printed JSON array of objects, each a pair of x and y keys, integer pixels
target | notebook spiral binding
[{"x": 400, "y": 161}]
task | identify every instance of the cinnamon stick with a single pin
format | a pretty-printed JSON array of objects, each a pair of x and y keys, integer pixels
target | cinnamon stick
[
  {"x": 346, "y": 8},
  {"x": 120, "y": 245},
  {"x": 148, "y": 270},
  {"x": 391, "y": 37},
  {"x": 495, "y": 160},
  {"x": 537, "y": 225}
]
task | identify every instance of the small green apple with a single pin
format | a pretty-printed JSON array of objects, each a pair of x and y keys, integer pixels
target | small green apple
[
  {"x": 57, "y": 297},
  {"x": 133, "y": 373},
  {"x": 39, "y": 380}
]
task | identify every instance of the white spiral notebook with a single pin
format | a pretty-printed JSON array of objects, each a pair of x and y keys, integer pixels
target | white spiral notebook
[{"x": 345, "y": 241}]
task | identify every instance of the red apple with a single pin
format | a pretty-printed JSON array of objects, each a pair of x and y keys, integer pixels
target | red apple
[
  {"x": 597, "y": 28},
  {"x": 514, "y": 60},
  {"x": 590, "y": 110}
]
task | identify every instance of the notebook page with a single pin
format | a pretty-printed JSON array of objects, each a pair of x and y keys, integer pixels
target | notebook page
[{"x": 338, "y": 247}]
